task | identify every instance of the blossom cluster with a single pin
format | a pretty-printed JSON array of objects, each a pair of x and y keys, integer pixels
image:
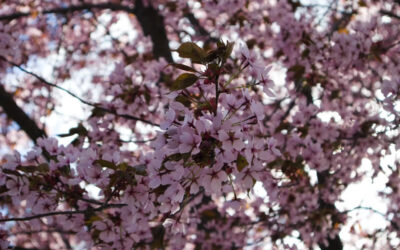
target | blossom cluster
[{"x": 197, "y": 147}]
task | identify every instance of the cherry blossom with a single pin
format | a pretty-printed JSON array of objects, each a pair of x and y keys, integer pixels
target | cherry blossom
[{"x": 197, "y": 124}]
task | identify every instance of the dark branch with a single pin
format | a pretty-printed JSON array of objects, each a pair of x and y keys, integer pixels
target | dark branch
[
  {"x": 19, "y": 116},
  {"x": 130, "y": 117},
  {"x": 390, "y": 14},
  {"x": 38, "y": 216},
  {"x": 198, "y": 28},
  {"x": 291, "y": 106},
  {"x": 70, "y": 9},
  {"x": 394, "y": 224},
  {"x": 43, "y": 231},
  {"x": 333, "y": 243},
  {"x": 21, "y": 248},
  {"x": 151, "y": 21},
  {"x": 153, "y": 25},
  {"x": 138, "y": 141}
]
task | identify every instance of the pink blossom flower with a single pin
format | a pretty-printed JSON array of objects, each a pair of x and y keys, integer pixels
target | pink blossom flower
[
  {"x": 3, "y": 238},
  {"x": 248, "y": 56},
  {"x": 12, "y": 161},
  {"x": 231, "y": 140},
  {"x": 106, "y": 229},
  {"x": 189, "y": 141},
  {"x": 258, "y": 109},
  {"x": 212, "y": 181},
  {"x": 169, "y": 119}
]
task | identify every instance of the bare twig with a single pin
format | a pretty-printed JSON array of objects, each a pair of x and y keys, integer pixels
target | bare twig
[
  {"x": 15, "y": 113},
  {"x": 389, "y": 14},
  {"x": 38, "y": 216},
  {"x": 130, "y": 117}
]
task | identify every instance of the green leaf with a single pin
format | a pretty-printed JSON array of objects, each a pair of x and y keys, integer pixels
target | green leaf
[
  {"x": 297, "y": 71},
  {"x": 174, "y": 157},
  {"x": 27, "y": 169},
  {"x": 192, "y": 51},
  {"x": 3, "y": 189},
  {"x": 35, "y": 182},
  {"x": 183, "y": 81},
  {"x": 105, "y": 164},
  {"x": 335, "y": 94},
  {"x": 184, "y": 100},
  {"x": 251, "y": 43},
  {"x": 43, "y": 168},
  {"x": 213, "y": 68},
  {"x": 367, "y": 125},
  {"x": 158, "y": 233},
  {"x": 210, "y": 214},
  {"x": 183, "y": 67},
  {"x": 241, "y": 162},
  {"x": 76, "y": 142},
  {"x": 65, "y": 170},
  {"x": 284, "y": 125},
  {"x": 147, "y": 97},
  {"x": 303, "y": 130},
  {"x": 229, "y": 48},
  {"x": 123, "y": 166},
  {"x": 92, "y": 219},
  {"x": 9, "y": 171},
  {"x": 140, "y": 170}
]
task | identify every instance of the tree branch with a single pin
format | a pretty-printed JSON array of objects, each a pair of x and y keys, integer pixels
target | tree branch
[
  {"x": 333, "y": 243},
  {"x": 198, "y": 28},
  {"x": 151, "y": 21},
  {"x": 21, "y": 248},
  {"x": 394, "y": 224},
  {"x": 43, "y": 231},
  {"x": 19, "y": 116},
  {"x": 37, "y": 216},
  {"x": 70, "y": 9},
  {"x": 130, "y": 117},
  {"x": 153, "y": 24},
  {"x": 390, "y": 14}
]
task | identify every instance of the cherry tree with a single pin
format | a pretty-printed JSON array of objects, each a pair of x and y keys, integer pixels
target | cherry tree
[{"x": 186, "y": 142}]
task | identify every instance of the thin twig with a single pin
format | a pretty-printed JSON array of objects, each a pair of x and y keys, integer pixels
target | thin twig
[
  {"x": 130, "y": 117},
  {"x": 70, "y": 9},
  {"x": 43, "y": 231},
  {"x": 37, "y": 216},
  {"x": 389, "y": 14}
]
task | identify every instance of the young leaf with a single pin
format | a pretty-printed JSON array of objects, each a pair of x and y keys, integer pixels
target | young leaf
[
  {"x": 43, "y": 168},
  {"x": 105, "y": 164},
  {"x": 241, "y": 162},
  {"x": 183, "y": 81},
  {"x": 184, "y": 100},
  {"x": 183, "y": 67},
  {"x": 191, "y": 51},
  {"x": 228, "y": 50},
  {"x": 297, "y": 71},
  {"x": 140, "y": 170}
]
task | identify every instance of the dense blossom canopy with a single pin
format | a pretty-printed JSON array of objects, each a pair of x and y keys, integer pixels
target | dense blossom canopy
[{"x": 184, "y": 140}]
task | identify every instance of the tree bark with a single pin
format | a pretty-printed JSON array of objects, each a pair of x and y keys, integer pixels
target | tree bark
[
  {"x": 153, "y": 25},
  {"x": 335, "y": 243},
  {"x": 19, "y": 116},
  {"x": 151, "y": 21}
]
